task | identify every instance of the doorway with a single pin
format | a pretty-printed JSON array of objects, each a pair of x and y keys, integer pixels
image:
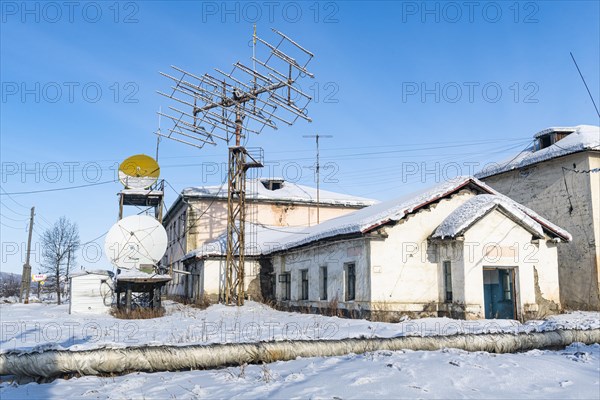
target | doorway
[{"x": 499, "y": 293}]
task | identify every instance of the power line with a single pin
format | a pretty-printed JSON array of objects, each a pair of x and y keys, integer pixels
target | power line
[
  {"x": 281, "y": 230},
  {"x": 14, "y": 201},
  {"x": 43, "y": 220},
  {"x": 11, "y": 227},
  {"x": 13, "y": 219},
  {"x": 11, "y": 210},
  {"x": 193, "y": 224},
  {"x": 59, "y": 189},
  {"x": 406, "y": 145},
  {"x": 586, "y": 86},
  {"x": 93, "y": 240}
]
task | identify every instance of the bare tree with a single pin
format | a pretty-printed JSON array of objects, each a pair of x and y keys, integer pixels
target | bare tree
[
  {"x": 10, "y": 284},
  {"x": 59, "y": 244}
]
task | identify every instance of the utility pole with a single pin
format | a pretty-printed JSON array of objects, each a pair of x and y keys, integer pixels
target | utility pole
[
  {"x": 26, "y": 276},
  {"x": 317, "y": 170},
  {"x": 68, "y": 266}
]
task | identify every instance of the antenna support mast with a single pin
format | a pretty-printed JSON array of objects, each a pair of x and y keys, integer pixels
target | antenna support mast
[
  {"x": 318, "y": 170},
  {"x": 231, "y": 105}
]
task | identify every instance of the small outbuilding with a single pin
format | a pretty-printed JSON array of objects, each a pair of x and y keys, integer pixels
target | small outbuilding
[{"x": 91, "y": 292}]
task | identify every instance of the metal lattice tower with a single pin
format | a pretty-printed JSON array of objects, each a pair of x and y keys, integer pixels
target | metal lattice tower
[{"x": 246, "y": 100}]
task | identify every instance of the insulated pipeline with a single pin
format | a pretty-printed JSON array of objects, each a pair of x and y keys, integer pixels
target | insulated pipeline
[{"x": 53, "y": 363}]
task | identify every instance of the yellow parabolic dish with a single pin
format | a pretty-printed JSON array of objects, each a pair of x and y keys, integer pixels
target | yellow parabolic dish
[{"x": 139, "y": 172}]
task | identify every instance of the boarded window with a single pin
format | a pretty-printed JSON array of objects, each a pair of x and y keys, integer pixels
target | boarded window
[
  {"x": 447, "y": 282},
  {"x": 323, "y": 283},
  {"x": 350, "y": 271},
  {"x": 284, "y": 280},
  {"x": 304, "y": 284}
]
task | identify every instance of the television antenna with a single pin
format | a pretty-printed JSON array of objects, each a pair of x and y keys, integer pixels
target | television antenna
[
  {"x": 229, "y": 106},
  {"x": 318, "y": 169}
]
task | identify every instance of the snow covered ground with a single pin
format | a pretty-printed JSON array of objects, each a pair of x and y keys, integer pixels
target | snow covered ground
[
  {"x": 570, "y": 373},
  {"x": 450, "y": 374},
  {"x": 30, "y": 327}
]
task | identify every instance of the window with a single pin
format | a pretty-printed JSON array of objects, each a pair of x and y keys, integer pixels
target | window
[
  {"x": 507, "y": 285},
  {"x": 284, "y": 279},
  {"x": 304, "y": 284},
  {"x": 350, "y": 271},
  {"x": 447, "y": 282},
  {"x": 548, "y": 138},
  {"x": 272, "y": 184},
  {"x": 323, "y": 283},
  {"x": 544, "y": 141}
]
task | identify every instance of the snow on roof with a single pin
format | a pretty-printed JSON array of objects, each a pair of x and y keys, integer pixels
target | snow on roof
[
  {"x": 475, "y": 208},
  {"x": 270, "y": 239},
  {"x": 259, "y": 240},
  {"x": 289, "y": 191},
  {"x": 371, "y": 217},
  {"x": 368, "y": 218},
  {"x": 137, "y": 274},
  {"x": 560, "y": 129},
  {"x": 584, "y": 137},
  {"x": 142, "y": 191},
  {"x": 91, "y": 272}
]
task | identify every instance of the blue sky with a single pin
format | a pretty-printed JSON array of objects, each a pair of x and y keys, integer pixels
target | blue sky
[{"x": 411, "y": 92}]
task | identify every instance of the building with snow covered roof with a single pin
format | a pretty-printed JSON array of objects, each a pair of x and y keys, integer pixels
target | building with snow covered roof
[
  {"x": 199, "y": 215},
  {"x": 206, "y": 264},
  {"x": 558, "y": 176},
  {"x": 459, "y": 249}
]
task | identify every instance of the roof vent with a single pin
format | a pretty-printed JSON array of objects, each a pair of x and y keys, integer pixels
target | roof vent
[
  {"x": 548, "y": 137},
  {"x": 272, "y": 184}
]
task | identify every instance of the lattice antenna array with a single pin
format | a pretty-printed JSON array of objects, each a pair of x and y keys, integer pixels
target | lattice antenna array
[
  {"x": 214, "y": 107},
  {"x": 227, "y": 106}
]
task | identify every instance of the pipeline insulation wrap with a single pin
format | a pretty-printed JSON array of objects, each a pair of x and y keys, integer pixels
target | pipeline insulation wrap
[{"x": 52, "y": 363}]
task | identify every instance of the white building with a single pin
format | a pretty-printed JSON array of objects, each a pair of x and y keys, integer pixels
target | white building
[
  {"x": 206, "y": 265},
  {"x": 559, "y": 177},
  {"x": 90, "y": 292},
  {"x": 459, "y": 249},
  {"x": 199, "y": 215}
]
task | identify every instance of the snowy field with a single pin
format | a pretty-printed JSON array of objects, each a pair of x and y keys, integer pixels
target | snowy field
[
  {"x": 570, "y": 373},
  {"x": 31, "y": 327}
]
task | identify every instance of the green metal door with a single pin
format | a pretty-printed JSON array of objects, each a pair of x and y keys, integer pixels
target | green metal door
[{"x": 499, "y": 293}]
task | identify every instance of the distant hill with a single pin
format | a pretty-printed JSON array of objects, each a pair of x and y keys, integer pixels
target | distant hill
[{"x": 9, "y": 276}]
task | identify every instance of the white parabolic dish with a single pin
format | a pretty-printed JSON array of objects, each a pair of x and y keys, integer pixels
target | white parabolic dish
[{"x": 135, "y": 241}]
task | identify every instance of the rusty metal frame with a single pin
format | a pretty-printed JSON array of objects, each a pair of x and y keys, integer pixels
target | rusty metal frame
[{"x": 231, "y": 106}]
